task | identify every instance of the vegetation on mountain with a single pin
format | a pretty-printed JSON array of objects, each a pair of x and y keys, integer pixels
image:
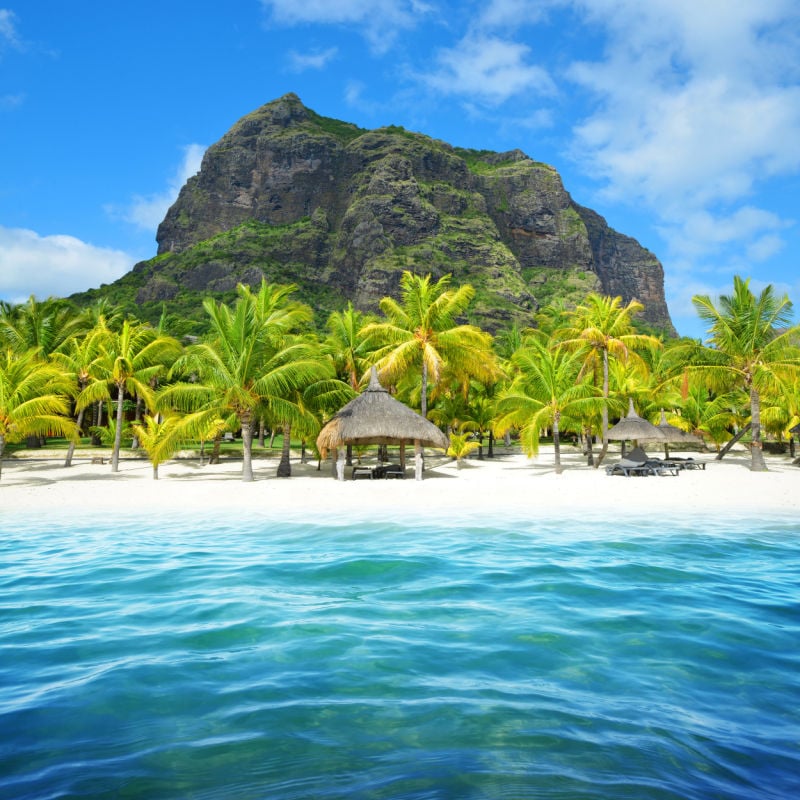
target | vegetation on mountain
[{"x": 292, "y": 197}]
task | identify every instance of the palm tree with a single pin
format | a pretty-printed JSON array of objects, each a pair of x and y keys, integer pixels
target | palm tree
[
  {"x": 421, "y": 333},
  {"x": 547, "y": 391},
  {"x": 461, "y": 445},
  {"x": 602, "y": 328},
  {"x": 479, "y": 418},
  {"x": 132, "y": 358},
  {"x": 33, "y": 398},
  {"x": 46, "y": 325},
  {"x": 249, "y": 367},
  {"x": 159, "y": 437},
  {"x": 751, "y": 340},
  {"x": 79, "y": 358},
  {"x": 347, "y": 344}
]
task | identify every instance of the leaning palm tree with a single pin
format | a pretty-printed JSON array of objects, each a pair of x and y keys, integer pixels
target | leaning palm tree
[
  {"x": 421, "y": 333},
  {"x": 602, "y": 328},
  {"x": 547, "y": 391},
  {"x": 34, "y": 398},
  {"x": 752, "y": 345}
]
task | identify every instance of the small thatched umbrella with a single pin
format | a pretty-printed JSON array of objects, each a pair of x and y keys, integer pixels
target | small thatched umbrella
[
  {"x": 675, "y": 434},
  {"x": 636, "y": 429},
  {"x": 375, "y": 417}
]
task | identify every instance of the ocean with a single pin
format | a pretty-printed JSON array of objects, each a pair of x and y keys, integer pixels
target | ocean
[{"x": 188, "y": 656}]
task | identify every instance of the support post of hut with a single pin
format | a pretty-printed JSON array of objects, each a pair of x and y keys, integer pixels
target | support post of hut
[
  {"x": 417, "y": 460},
  {"x": 339, "y": 454},
  {"x": 403, "y": 456}
]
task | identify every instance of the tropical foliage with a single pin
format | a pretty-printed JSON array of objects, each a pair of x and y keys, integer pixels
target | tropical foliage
[{"x": 67, "y": 372}]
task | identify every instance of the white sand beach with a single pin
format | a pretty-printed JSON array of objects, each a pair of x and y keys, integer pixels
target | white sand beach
[{"x": 508, "y": 484}]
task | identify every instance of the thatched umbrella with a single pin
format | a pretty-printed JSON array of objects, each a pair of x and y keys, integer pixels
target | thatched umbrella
[
  {"x": 375, "y": 417},
  {"x": 636, "y": 428},
  {"x": 675, "y": 434}
]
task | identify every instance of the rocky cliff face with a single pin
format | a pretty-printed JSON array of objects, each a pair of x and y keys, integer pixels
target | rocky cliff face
[{"x": 342, "y": 211}]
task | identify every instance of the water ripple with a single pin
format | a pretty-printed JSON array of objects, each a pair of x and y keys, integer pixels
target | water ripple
[{"x": 524, "y": 659}]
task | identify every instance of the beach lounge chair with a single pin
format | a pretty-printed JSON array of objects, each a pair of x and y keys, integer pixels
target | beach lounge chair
[
  {"x": 688, "y": 463},
  {"x": 635, "y": 463},
  {"x": 661, "y": 466}
]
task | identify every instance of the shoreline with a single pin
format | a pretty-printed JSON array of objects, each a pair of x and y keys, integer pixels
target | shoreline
[{"x": 508, "y": 485}]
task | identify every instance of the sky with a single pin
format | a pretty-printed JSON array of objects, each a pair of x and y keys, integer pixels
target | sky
[{"x": 676, "y": 120}]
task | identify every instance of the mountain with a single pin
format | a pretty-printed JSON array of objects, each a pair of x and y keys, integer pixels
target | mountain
[{"x": 342, "y": 211}]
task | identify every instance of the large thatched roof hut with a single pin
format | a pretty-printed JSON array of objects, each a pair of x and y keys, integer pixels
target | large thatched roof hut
[
  {"x": 636, "y": 428},
  {"x": 375, "y": 417}
]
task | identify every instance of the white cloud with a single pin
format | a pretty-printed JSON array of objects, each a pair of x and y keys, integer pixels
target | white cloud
[
  {"x": 54, "y": 266},
  {"x": 697, "y": 101},
  {"x": 488, "y": 69},
  {"x": 704, "y": 232},
  {"x": 514, "y": 13},
  {"x": 147, "y": 212},
  {"x": 300, "y": 62},
  {"x": 379, "y": 20},
  {"x": 8, "y": 29}
]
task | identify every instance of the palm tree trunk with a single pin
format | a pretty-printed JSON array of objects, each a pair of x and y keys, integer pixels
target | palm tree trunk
[
  {"x": 604, "y": 448},
  {"x": 589, "y": 445},
  {"x": 155, "y": 472},
  {"x": 757, "y": 463},
  {"x": 137, "y": 419},
  {"x": 118, "y": 431},
  {"x": 424, "y": 395},
  {"x": 284, "y": 466},
  {"x": 490, "y": 453},
  {"x": 557, "y": 446},
  {"x": 247, "y": 447},
  {"x": 98, "y": 421},
  {"x": 726, "y": 449},
  {"x": 215, "y": 450},
  {"x": 71, "y": 448}
]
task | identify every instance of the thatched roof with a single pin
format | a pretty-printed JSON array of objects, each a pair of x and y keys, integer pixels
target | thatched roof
[
  {"x": 375, "y": 417},
  {"x": 675, "y": 434},
  {"x": 795, "y": 430},
  {"x": 637, "y": 428}
]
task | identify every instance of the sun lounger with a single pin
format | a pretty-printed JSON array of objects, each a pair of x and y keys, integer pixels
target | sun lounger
[
  {"x": 638, "y": 463},
  {"x": 661, "y": 466},
  {"x": 688, "y": 463},
  {"x": 363, "y": 472}
]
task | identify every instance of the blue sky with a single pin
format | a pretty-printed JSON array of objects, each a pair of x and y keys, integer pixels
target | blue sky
[{"x": 677, "y": 120}]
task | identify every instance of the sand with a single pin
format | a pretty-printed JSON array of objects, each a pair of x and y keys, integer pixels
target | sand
[{"x": 511, "y": 485}]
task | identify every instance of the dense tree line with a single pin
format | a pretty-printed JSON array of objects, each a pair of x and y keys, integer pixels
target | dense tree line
[{"x": 71, "y": 372}]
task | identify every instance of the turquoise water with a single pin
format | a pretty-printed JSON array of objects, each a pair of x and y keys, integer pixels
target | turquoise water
[{"x": 195, "y": 658}]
